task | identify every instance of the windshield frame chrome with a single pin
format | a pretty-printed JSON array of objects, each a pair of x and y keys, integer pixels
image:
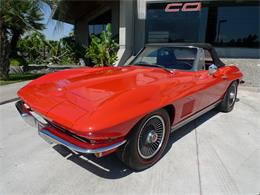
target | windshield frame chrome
[{"x": 198, "y": 63}]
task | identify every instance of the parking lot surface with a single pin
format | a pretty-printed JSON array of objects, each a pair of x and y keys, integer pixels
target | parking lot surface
[{"x": 217, "y": 153}]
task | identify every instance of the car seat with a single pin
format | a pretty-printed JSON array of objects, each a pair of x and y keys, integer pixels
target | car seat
[{"x": 166, "y": 57}]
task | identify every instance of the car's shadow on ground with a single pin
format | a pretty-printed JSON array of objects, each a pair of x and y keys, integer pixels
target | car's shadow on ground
[
  {"x": 107, "y": 167},
  {"x": 188, "y": 128},
  {"x": 110, "y": 167}
]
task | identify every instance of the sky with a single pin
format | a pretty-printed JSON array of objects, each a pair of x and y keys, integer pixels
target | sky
[{"x": 50, "y": 32}]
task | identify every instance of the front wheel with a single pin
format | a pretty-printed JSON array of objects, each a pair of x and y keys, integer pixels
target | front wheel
[
  {"x": 147, "y": 141},
  {"x": 229, "y": 99}
]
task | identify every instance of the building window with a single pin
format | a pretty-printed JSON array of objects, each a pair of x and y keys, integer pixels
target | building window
[
  {"x": 221, "y": 23},
  {"x": 237, "y": 26},
  {"x": 172, "y": 26}
]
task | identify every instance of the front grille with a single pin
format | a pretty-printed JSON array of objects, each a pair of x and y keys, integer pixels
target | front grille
[{"x": 65, "y": 131}]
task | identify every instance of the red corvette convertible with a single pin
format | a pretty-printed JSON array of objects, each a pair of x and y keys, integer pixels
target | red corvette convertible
[{"x": 132, "y": 109}]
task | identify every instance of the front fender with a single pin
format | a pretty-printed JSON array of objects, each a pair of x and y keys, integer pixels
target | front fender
[
  {"x": 117, "y": 116},
  {"x": 232, "y": 73}
]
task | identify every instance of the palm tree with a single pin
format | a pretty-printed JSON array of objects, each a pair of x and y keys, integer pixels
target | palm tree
[{"x": 16, "y": 18}]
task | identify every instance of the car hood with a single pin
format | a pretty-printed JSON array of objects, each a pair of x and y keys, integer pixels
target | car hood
[{"x": 92, "y": 93}]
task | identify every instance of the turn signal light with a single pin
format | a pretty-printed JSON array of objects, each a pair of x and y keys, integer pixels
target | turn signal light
[{"x": 101, "y": 154}]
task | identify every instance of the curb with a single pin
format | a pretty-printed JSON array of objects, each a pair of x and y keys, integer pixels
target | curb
[{"x": 9, "y": 101}]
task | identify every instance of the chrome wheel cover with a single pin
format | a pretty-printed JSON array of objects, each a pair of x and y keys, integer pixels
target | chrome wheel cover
[
  {"x": 151, "y": 136},
  {"x": 232, "y": 95}
]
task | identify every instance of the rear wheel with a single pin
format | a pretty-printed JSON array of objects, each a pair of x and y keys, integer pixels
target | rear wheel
[
  {"x": 229, "y": 99},
  {"x": 147, "y": 141}
]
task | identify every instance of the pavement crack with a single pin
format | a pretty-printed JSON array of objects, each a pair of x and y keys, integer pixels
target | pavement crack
[{"x": 197, "y": 155}]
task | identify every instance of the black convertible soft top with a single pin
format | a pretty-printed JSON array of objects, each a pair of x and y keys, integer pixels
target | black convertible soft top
[{"x": 205, "y": 46}]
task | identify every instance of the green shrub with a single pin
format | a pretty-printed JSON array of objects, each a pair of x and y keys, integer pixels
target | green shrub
[
  {"x": 19, "y": 61},
  {"x": 37, "y": 50},
  {"x": 14, "y": 62},
  {"x": 102, "y": 50},
  {"x": 32, "y": 47}
]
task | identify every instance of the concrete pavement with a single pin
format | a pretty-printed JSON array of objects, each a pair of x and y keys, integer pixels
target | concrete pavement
[
  {"x": 217, "y": 153},
  {"x": 251, "y": 70},
  {"x": 8, "y": 92}
]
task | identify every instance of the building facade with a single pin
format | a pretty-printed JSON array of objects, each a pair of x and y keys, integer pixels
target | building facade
[{"x": 232, "y": 26}]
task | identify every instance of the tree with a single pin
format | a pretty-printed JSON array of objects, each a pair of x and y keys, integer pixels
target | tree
[
  {"x": 103, "y": 51},
  {"x": 16, "y": 18},
  {"x": 75, "y": 51},
  {"x": 32, "y": 47}
]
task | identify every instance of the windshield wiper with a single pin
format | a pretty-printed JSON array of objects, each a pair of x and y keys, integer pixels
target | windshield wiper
[{"x": 151, "y": 65}]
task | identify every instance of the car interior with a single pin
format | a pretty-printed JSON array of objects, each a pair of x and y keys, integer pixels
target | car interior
[
  {"x": 176, "y": 57},
  {"x": 172, "y": 59},
  {"x": 169, "y": 57}
]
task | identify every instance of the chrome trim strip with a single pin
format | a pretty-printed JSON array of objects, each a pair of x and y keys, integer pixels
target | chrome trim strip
[
  {"x": 194, "y": 116},
  {"x": 51, "y": 138},
  {"x": 26, "y": 114}
]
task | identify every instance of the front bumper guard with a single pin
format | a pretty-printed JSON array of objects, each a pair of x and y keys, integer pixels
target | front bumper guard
[{"x": 49, "y": 137}]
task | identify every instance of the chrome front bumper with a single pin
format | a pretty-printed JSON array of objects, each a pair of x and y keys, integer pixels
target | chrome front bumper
[{"x": 49, "y": 137}]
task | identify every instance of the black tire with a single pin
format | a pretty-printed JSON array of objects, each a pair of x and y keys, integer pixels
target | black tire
[
  {"x": 152, "y": 131},
  {"x": 229, "y": 99}
]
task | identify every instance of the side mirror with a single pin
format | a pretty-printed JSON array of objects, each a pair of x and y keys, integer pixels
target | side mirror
[{"x": 212, "y": 69}]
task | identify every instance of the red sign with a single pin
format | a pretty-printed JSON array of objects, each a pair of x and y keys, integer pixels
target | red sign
[{"x": 184, "y": 7}]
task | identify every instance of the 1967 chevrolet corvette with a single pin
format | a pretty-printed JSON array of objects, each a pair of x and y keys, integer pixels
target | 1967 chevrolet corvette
[{"x": 130, "y": 109}]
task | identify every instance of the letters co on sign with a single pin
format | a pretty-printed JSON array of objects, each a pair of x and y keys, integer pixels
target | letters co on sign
[{"x": 184, "y": 7}]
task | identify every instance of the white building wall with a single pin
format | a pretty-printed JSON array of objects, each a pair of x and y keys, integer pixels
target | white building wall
[
  {"x": 139, "y": 25},
  {"x": 126, "y": 31}
]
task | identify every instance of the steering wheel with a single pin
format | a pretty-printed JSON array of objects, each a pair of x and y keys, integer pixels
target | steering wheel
[{"x": 184, "y": 65}]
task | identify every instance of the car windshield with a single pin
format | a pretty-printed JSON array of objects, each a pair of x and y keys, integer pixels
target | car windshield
[{"x": 169, "y": 57}]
